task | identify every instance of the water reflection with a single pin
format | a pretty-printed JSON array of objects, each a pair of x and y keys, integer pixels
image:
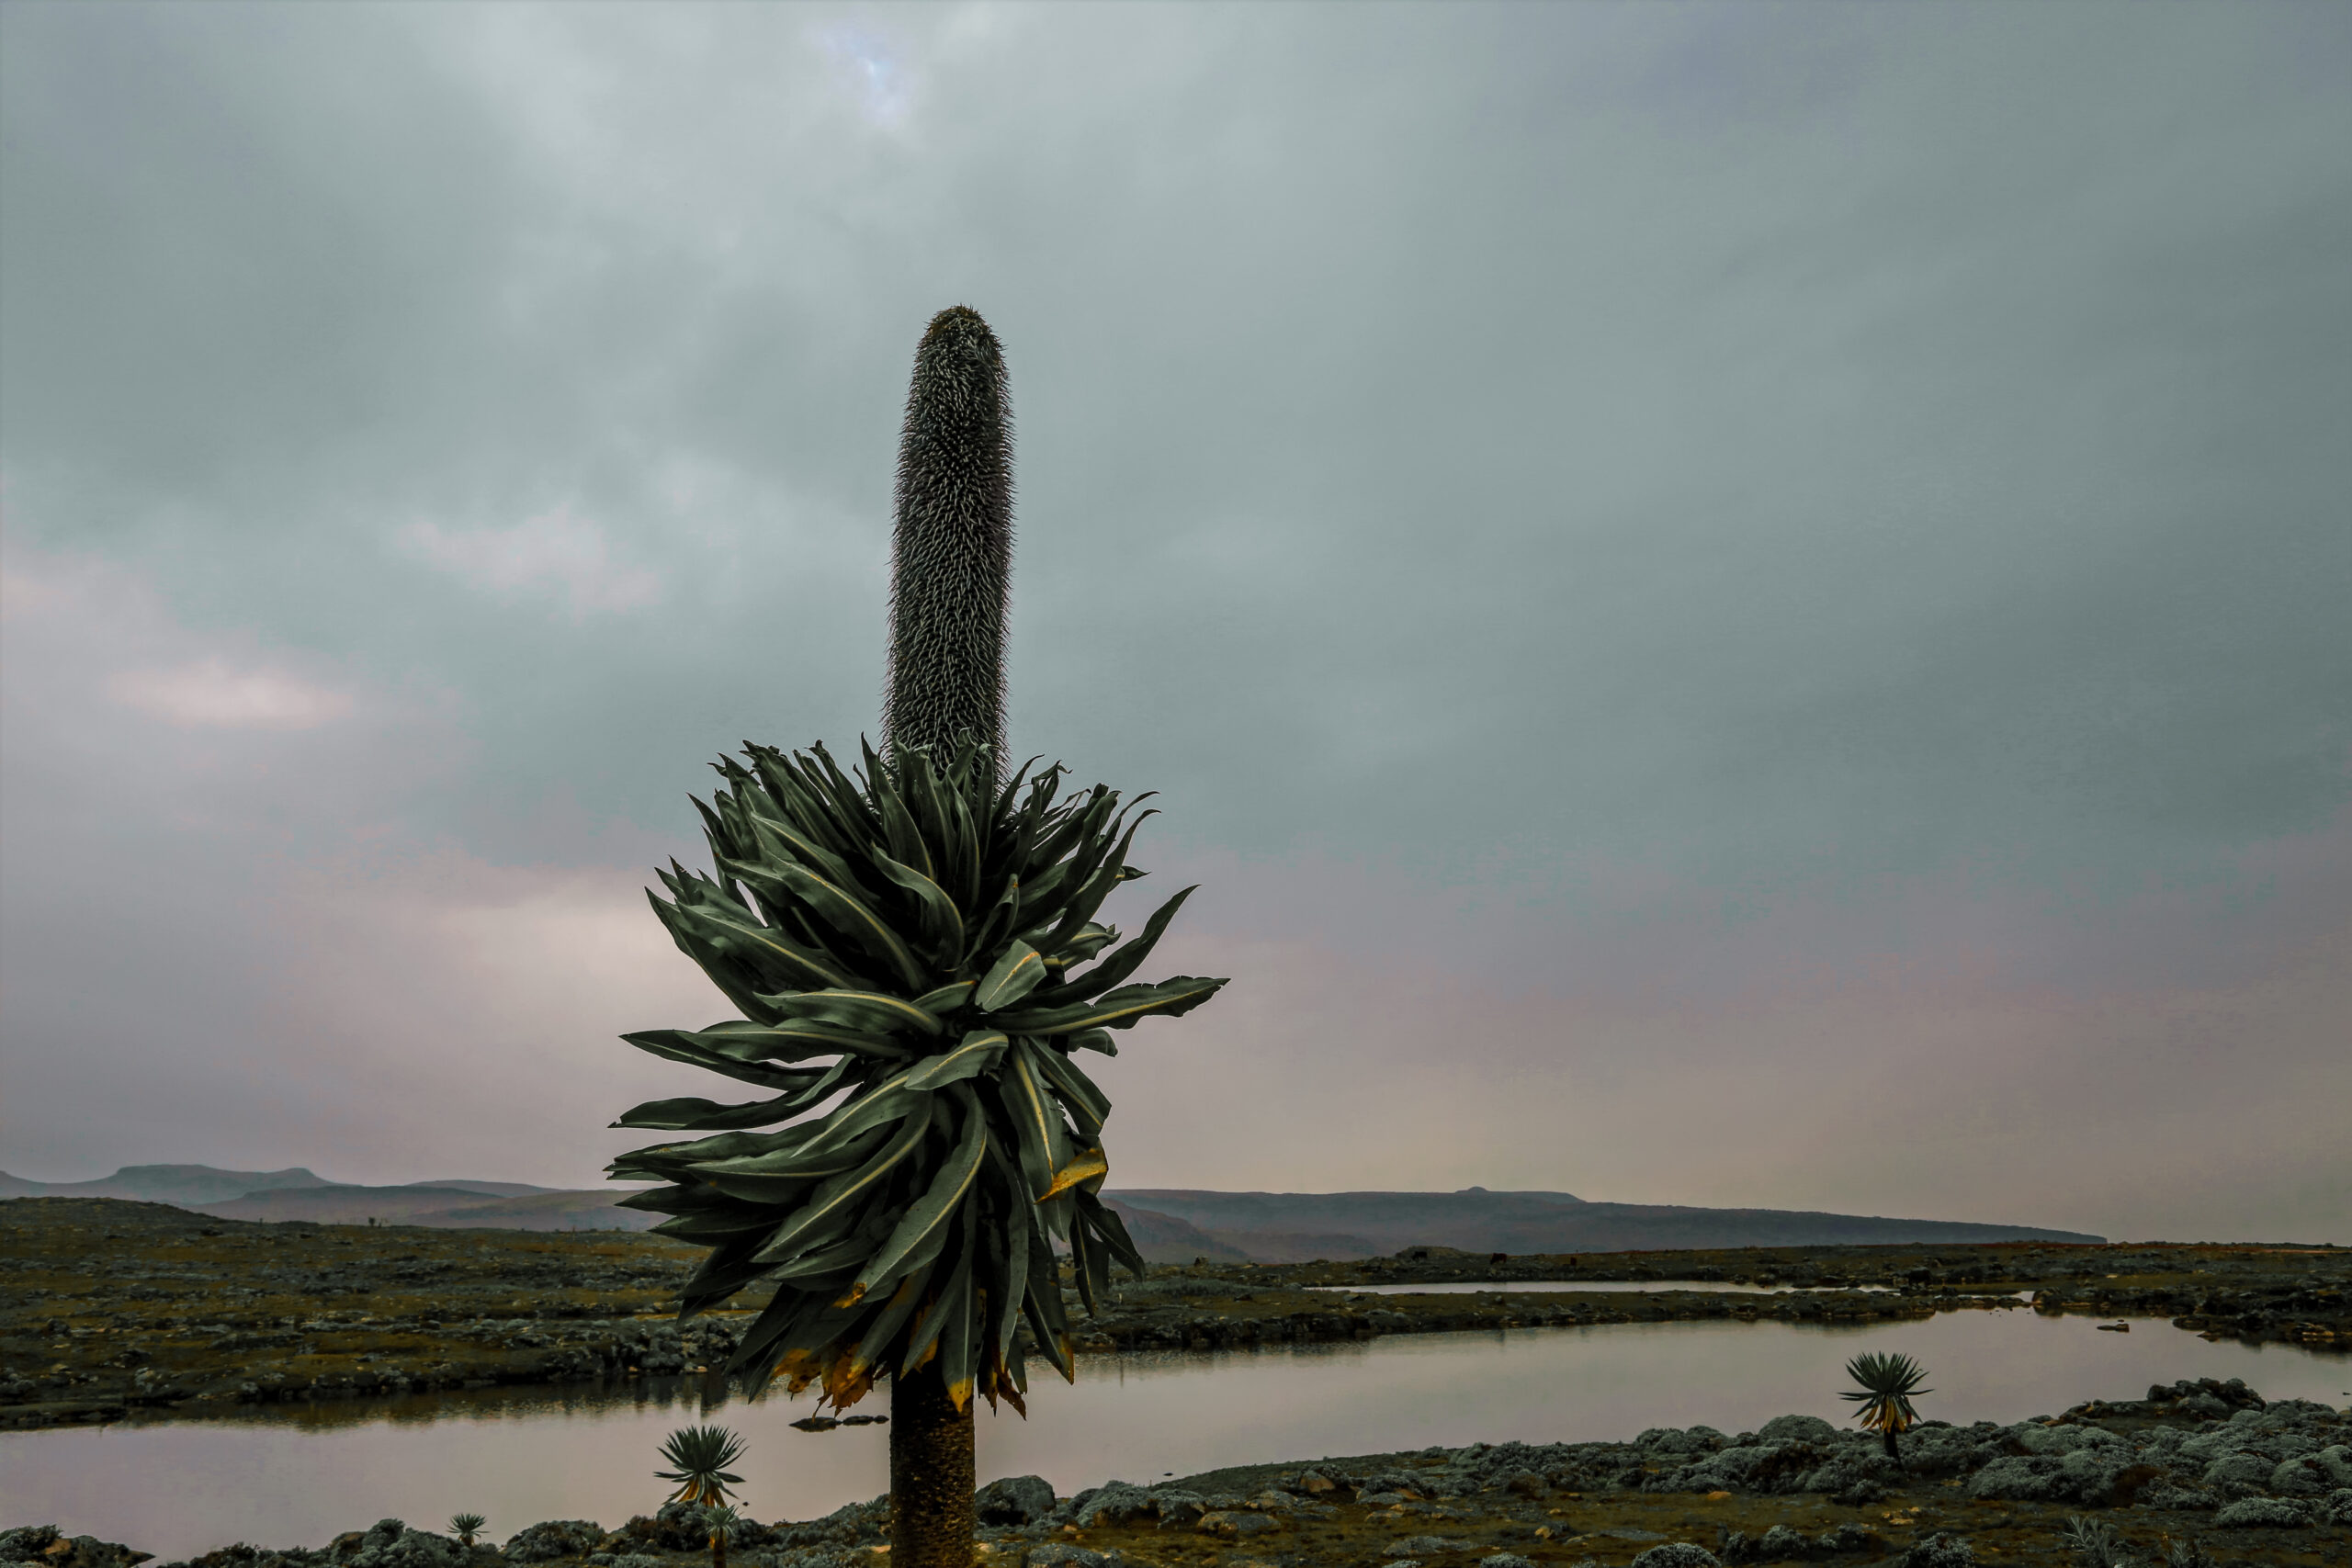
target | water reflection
[{"x": 297, "y": 1476}]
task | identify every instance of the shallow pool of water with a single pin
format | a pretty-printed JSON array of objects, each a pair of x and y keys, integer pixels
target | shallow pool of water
[
  {"x": 1562, "y": 1287},
  {"x": 295, "y": 1476}
]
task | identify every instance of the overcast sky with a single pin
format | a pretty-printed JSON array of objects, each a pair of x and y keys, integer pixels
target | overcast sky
[{"x": 1732, "y": 605}]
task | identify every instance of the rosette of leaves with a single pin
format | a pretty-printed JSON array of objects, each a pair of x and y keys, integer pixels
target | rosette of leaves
[{"x": 916, "y": 960}]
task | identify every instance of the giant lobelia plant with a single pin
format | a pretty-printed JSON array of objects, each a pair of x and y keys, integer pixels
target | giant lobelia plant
[{"x": 913, "y": 949}]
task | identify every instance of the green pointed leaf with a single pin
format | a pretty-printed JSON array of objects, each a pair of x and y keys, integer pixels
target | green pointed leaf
[
  {"x": 991, "y": 930},
  {"x": 788, "y": 1040},
  {"x": 705, "y": 1115},
  {"x": 875, "y": 1342},
  {"x": 955, "y": 1358},
  {"x": 932, "y": 1218},
  {"x": 762, "y": 949},
  {"x": 1120, "y": 1010},
  {"x": 1041, "y": 1147},
  {"x": 716, "y": 1225},
  {"x": 1043, "y": 1305},
  {"x": 942, "y": 924},
  {"x": 870, "y": 1012},
  {"x": 1078, "y": 907},
  {"x": 948, "y": 998},
  {"x": 1088, "y": 1105},
  {"x": 1082, "y": 1269},
  {"x": 780, "y": 841},
  {"x": 829, "y": 1208},
  {"x": 728, "y": 1269},
  {"x": 784, "y": 1181},
  {"x": 979, "y": 1052},
  {"x": 1011, "y": 978},
  {"x": 1113, "y": 1232},
  {"x": 737, "y": 981},
  {"x": 685, "y": 1046},
  {"x": 1121, "y": 962},
  {"x": 1007, "y": 1276},
  {"x": 851, "y": 915},
  {"x": 952, "y": 1294}
]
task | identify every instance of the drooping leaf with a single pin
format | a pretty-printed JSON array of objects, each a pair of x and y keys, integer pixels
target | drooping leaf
[
  {"x": 1106, "y": 1224},
  {"x": 706, "y": 1115},
  {"x": 1087, "y": 1164},
  {"x": 687, "y": 1045},
  {"x": 828, "y": 1210},
  {"x": 1121, "y": 1010},
  {"x": 933, "y": 1216},
  {"x": 1040, "y": 1145}
]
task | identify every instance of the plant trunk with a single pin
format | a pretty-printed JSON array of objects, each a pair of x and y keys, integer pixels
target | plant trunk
[
  {"x": 718, "y": 1552},
  {"x": 932, "y": 1476},
  {"x": 1888, "y": 1432}
]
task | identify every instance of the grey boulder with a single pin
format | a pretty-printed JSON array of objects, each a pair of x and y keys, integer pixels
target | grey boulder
[
  {"x": 1014, "y": 1500},
  {"x": 1115, "y": 1503}
]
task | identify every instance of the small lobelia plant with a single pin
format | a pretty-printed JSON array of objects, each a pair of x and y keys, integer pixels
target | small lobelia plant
[
  {"x": 465, "y": 1527},
  {"x": 723, "y": 1524},
  {"x": 699, "y": 1457},
  {"x": 2187, "y": 1553},
  {"x": 2095, "y": 1544},
  {"x": 1888, "y": 1382}
]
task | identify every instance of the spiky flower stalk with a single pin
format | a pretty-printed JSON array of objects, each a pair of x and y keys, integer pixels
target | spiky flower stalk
[
  {"x": 951, "y": 579},
  {"x": 951, "y": 567}
]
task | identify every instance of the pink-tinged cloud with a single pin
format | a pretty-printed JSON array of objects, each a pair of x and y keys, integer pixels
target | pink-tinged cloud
[
  {"x": 554, "y": 555},
  {"x": 213, "y": 693}
]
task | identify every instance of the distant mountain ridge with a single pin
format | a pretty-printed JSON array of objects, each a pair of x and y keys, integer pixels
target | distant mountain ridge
[
  {"x": 1169, "y": 1224},
  {"x": 1290, "y": 1227},
  {"x": 301, "y": 1194}
]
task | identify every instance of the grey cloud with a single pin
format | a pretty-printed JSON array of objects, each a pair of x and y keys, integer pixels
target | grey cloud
[{"x": 1607, "y": 492}]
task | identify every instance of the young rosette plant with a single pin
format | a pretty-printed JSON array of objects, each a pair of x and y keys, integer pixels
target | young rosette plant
[
  {"x": 917, "y": 947},
  {"x": 698, "y": 1458},
  {"x": 1888, "y": 1382},
  {"x": 465, "y": 1527},
  {"x": 722, "y": 1523}
]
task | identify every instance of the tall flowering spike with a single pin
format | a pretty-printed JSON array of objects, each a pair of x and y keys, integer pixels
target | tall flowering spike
[{"x": 951, "y": 563}]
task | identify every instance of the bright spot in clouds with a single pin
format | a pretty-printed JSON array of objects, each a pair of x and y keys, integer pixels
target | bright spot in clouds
[
  {"x": 211, "y": 693},
  {"x": 878, "y": 79},
  {"x": 554, "y": 553}
]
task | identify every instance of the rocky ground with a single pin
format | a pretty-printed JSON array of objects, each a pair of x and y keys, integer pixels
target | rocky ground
[
  {"x": 107, "y": 1306},
  {"x": 2195, "y": 1474}
]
